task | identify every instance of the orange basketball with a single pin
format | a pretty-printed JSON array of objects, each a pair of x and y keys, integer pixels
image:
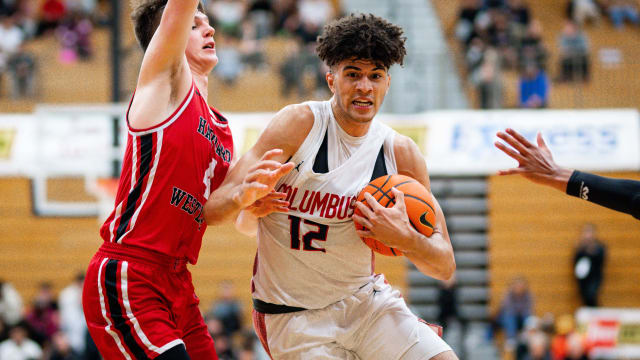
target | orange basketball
[{"x": 417, "y": 198}]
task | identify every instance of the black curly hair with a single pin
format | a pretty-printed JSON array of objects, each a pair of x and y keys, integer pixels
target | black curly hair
[{"x": 364, "y": 37}]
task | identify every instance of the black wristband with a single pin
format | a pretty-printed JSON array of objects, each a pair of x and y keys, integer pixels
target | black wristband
[{"x": 575, "y": 184}]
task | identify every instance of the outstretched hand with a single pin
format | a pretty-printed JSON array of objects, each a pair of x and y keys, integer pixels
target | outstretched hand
[
  {"x": 274, "y": 201},
  {"x": 534, "y": 162},
  {"x": 261, "y": 179}
]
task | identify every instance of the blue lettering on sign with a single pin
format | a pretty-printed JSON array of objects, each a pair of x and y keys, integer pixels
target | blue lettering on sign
[{"x": 478, "y": 139}]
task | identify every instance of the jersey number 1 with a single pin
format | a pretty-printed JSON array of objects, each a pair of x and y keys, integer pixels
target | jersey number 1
[{"x": 320, "y": 234}]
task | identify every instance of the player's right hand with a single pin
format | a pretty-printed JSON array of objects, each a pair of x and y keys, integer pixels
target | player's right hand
[{"x": 261, "y": 179}]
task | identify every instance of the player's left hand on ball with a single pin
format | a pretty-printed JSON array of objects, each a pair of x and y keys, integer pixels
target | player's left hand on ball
[
  {"x": 273, "y": 202},
  {"x": 388, "y": 225}
]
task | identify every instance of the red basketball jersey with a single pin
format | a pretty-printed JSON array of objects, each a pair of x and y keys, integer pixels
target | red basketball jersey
[{"x": 168, "y": 172}]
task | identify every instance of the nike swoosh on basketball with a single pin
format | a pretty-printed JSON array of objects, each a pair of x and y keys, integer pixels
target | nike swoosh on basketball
[{"x": 423, "y": 220}]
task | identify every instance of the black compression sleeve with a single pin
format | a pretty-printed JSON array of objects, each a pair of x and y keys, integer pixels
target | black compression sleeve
[{"x": 617, "y": 194}]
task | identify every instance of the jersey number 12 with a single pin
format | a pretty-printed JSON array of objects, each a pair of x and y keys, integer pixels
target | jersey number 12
[{"x": 319, "y": 234}]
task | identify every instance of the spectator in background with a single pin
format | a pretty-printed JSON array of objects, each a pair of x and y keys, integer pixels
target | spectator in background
[
  {"x": 448, "y": 302},
  {"x": 519, "y": 12},
  {"x": 8, "y": 7},
  {"x": 588, "y": 262},
  {"x": 465, "y": 26},
  {"x": 19, "y": 346},
  {"x": 283, "y": 10},
  {"x": 10, "y": 304},
  {"x": 231, "y": 64},
  {"x": 221, "y": 339},
  {"x": 52, "y": 12},
  {"x": 574, "y": 54},
  {"x": 251, "y": 45},
  {"x": 488, "y": 80},
  {"x": 533, "y": 343},
  {"x": 22, "y": 69},
  {"x": 520, "y": 18},
  {"x": 559, "y": 344},
  {"x": 228, "y": 16},
  {"x": 11, "y": 37},
  {"x": 583, "y": 10},
  {"x": 84, "y": 8},
  {"x": 534, "y": 87},
  {"x": 43, "y": 318},
  {"x": 291, "y": 68},
  {"x": 621, "y": 10},
  {"x": 537, "y": 347},
  {"x": 227, "y": 309},
  {"x": 575, "y": 348},
  {"x": 503, "y": 38},
  {"x": 224, "y": 347},
  {"x": 531, "y": 48},
  {"x": 516, "y": 307},
  {"x": 315, "y": 13},
  {"x": 261, "y": 15},
  {"x": 74, "y": 34},
  {"x": 61, "y": 349},
  {"x": 72, "y": 323}
]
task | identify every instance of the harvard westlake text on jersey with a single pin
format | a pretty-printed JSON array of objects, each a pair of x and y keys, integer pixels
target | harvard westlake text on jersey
[
  {"x": 190, "y": 205},
  {"x": 209, "y": 134}
]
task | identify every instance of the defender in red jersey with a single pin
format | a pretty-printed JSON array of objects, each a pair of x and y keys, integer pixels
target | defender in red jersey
[{"x": 138, "y": 296}]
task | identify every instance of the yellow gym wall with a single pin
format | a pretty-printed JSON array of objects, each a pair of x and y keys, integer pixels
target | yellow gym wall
[
  {"x": 533, "y": 232},
  {"x": 35, "y": 249}
]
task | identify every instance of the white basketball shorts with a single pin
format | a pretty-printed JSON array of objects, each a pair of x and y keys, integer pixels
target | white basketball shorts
[{"x": 372, "y": 324}]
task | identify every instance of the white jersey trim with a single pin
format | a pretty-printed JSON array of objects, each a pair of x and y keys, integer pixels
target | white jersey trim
[
  {"x": 136, "y": 325},
  {"x": 170, "y": 121},
  {"x": 152, "y": 175},
  {"x": 104, "y": 313}
]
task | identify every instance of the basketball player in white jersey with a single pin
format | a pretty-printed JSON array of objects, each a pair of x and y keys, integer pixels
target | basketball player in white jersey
[{"x": 315, "y": 293}]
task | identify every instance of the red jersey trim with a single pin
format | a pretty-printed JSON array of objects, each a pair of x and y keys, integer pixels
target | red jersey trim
[{"x": 170, "y": 120}]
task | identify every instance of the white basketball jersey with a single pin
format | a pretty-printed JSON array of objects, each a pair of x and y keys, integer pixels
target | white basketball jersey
[{"x": 312, "y": 256}]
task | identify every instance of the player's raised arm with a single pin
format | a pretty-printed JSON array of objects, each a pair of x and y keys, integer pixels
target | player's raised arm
[
  {"x": 536, "y": 164},
  {"x": 165, "y": 52},
  {"x": 257, "y": 172}
]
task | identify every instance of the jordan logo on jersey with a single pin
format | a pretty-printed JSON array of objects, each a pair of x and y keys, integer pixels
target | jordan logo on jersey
[
  {"x": 326, "y": 205},
  {"x": 210, "y": 135}
]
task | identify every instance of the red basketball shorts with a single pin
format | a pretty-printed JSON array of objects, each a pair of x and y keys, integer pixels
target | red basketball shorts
[{"x": 139, "y": 304}]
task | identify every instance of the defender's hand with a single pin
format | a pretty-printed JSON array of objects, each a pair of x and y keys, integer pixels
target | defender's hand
[
  {"x": 261, "y": 179},
  {"x": 534, "y": 162},
  {"x": 273, "y": 202}
]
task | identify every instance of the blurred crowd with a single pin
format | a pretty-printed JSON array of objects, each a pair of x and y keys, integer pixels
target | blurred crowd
[
  {"x": 244, "y": 26},
  {"x": 50, "y": 328},
  {"x": 515, "y": 327},
  {"x": 502, "y": 35},
  {"x": 529, "y": 337},
  {"x": 53, "y": 327},
  {"x": 71, "y": 22},
  {"x": 243, "y": 29}
]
